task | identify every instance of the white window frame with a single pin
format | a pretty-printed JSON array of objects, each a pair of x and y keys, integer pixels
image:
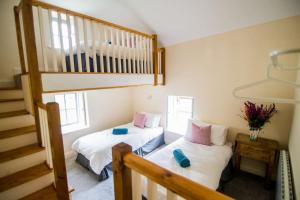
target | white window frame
[
  {"x": 78, "y": 125},
  {"x": 181, "y": 132}
]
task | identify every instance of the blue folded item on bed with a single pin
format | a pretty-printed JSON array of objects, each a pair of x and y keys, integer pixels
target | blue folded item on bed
[
  {"x": 181, "y": 159},
  {"x": 120, "y": 131}
]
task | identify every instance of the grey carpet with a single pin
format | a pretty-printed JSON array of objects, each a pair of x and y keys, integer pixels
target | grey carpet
[{"x": 243, "y": 186}]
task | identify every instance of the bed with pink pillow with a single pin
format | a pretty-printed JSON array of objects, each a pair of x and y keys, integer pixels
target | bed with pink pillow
[{"x": 208, "y": 157}]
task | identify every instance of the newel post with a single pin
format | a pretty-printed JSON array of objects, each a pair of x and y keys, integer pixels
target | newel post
[
  {"x": 57, "y": 148},
  {"x": 122, "y": 174},
  {"x": 32, "y": 60},
  {"x": 155, "y": 58}
]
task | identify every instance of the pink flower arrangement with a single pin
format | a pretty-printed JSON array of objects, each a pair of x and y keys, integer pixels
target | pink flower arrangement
[{"x": 258, "y": 115}]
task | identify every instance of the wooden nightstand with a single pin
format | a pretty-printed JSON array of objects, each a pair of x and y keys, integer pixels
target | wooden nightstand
[{"x": 263, "y": 150}]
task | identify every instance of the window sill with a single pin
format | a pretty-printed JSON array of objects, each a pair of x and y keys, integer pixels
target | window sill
[{"x": 73, "y": 128}]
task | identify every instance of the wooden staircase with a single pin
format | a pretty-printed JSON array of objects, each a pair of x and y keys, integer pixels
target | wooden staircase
[{"x": 24, "y": 173}]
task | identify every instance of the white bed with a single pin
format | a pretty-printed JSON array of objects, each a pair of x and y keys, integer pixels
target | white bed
[
  {"x": 207, "y": 162},
  {"x": 97, "y": 147}
]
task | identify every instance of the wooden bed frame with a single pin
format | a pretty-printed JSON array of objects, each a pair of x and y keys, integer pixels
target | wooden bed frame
[{"x": 127, "y": 171}]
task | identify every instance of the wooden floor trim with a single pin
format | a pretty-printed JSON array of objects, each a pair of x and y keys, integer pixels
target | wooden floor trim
[{"x": 11, "y": 100}]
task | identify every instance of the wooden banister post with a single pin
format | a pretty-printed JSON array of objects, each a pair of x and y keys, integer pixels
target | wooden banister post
[
  {"x": 32, "y": 61},
  {"x": 163, "y": 65},
  {"x": 122, "y": 174},
  {"x": 57, "y": 148},
  {"x": 155, "y": 58}
]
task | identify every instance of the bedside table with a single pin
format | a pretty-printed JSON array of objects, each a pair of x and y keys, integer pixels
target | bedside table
[{"x": 263, "y": 150}]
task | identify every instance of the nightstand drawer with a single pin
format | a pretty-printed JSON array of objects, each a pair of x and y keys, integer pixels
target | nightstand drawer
[{"x": 254, "y": 152}]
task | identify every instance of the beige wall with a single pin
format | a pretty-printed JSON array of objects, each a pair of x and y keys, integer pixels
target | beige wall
[
  {"x": 210, "y": 68},
  {"x": 106, "y": 108},
  {"x": 294, "y": 142},
  {"x": 9, "y": 56}
]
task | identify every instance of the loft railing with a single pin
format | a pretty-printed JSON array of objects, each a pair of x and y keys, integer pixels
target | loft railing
[
  {"x": 72, "y": 42},
  {"x": 130, "y": 169}
]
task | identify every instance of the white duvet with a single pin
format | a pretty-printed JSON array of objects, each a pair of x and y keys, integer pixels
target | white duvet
[
  {"x": 207, "y": 162},
  {"x": 97, "y": 147}
]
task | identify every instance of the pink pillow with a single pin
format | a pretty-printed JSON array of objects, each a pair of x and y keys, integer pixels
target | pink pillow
[
  {"x": 200, "y": 134},
  {"x": 139, "y": 120}
]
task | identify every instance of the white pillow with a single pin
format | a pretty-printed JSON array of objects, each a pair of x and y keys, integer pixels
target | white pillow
[
  {"x": 218, "y": 132},
  {"x": 152, "y": 120}
]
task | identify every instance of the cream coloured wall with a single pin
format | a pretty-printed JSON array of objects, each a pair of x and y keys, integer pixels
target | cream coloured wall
[
  {"x": 106, "y": 108},
  {"x": 210, "y": 68},
  {"x": 294, "y": 142},
  {"x": 9, "y": 55}
]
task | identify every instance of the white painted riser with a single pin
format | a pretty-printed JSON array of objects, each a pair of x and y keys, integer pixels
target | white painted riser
[
  {"x": 11, "y": 94},
  {"x": 18, "y": 141},
  {"x": 12, "y": 106},
  {"x": 16, "y": 122},
  {"x": 27, "y": 188},
  {"x": 13, "y": 166}
]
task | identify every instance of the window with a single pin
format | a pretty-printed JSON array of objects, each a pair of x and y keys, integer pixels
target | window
[
  {"x": 64, "y": 30},
  {"x": 180, "y": 109},
  {"x": 72, "y": 110}
]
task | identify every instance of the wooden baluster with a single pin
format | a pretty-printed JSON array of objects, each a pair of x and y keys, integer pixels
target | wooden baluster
[
  {"x": 53, "y": 50},
  {"x": 154, "y": 56},
  {"x": 19, "y": 39},
  {"x": 113, "y": 47},
  {"x": 57, "y": 149},
  {"x": 147, "y": 56},
  {"x": 128, "y": 52},
  {"x": 171, "y": 195},
  {"x": 94, "y": 46},
  {"x": 124, "y": 53},
  {"x": 78, "y": 47},
  {"x": 43, "y": 39},
  {"x": 141, "y": 53},
  {"x": 86, "y": 46},
  {"x": 71, "y": 54},
  {"x": 159, "y": 62},
  {"x": 163, "y": 65},
  {"x": 151, "y": 56},
  {"x": 121, "y": 173},
  {"x": 100, "y": 28},
  {"x": 151, "y": 190},
  {"x": 136, "y": 183},
  {"x": 62, "y": 48},
  {"x": 133, "y": 51},
  {"x": 119, "y": 51}
]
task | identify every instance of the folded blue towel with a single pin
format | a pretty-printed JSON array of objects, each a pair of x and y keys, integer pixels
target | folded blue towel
[
  {"x": 120, "y": 131},
  {"x": 181, "y": 159}
]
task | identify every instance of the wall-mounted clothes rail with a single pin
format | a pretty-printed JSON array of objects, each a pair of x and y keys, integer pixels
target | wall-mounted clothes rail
[{"x": 274, "y": 59}]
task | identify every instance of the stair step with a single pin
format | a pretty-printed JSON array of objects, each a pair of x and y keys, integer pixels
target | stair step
[
  {"x": 17, "y": 131},
  {"x": 48, "y": 193},
  {"x": 9, "y": 88},
  {"x": 20, "y": 152},
  {"x": 11, "y": 94},
  {"x": 11, "y": 100},
  {"x": 15, "y": 120},
  {"x": 23, "y": 176},
  {"x": 13, "y": 113},
  {"x": 12, "y": 106}
]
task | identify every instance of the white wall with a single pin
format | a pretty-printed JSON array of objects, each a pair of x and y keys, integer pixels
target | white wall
[
  {"x": 9, "y": 55},
  {"x": 106, "y": 108},
  {"x": 294, "y": 142}
]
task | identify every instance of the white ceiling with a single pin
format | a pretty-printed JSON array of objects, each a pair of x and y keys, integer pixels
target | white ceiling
[{"x": 176, "y": 21}]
